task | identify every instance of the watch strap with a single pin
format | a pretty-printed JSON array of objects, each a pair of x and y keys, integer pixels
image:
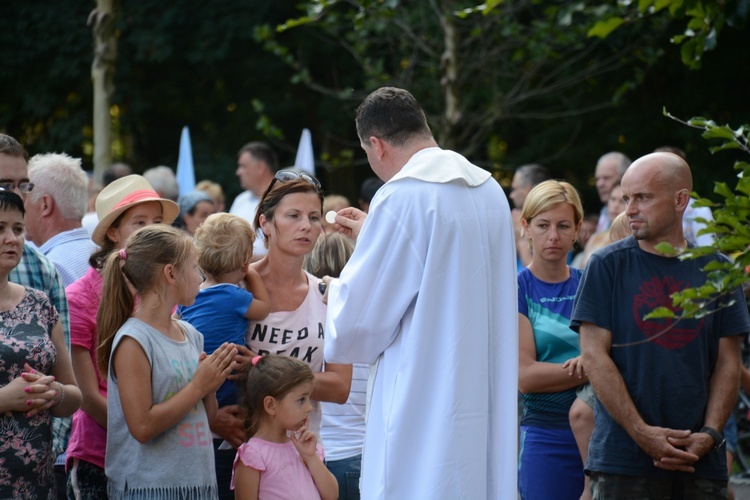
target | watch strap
[{"x": 716, "y": 435}]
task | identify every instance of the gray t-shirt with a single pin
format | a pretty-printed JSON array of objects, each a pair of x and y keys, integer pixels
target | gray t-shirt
[{"x": 179, "y": 463}]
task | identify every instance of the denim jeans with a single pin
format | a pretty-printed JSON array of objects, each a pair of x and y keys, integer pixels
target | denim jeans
[{"x": 346, "y": 472}]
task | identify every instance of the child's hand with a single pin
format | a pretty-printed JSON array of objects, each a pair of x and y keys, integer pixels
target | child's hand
[
  {"x": 305, "y": 441},
  {"x": 213, "y": 370},
  {"x": 575, "y": 367},
  {"x": 261, "y": 304}
]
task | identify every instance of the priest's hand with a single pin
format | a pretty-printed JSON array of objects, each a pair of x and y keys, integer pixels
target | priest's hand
[{"x": 349, "y": 221}]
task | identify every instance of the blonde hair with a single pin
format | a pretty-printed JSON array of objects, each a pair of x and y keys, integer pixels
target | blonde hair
[
  {"x": 212, "y": 189},
  {"x": 329, "y": 256},
  {"x": 547, "y": 195},
  {"x": 138, "y": 266},
  {"x": 335, "y": 202},
  {"x": 620, "y": 228},
  {"x": 225, "y": 243}
]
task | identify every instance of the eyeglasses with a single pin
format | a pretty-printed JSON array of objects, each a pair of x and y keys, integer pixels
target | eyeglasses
[
  {"x": 290, "y": 175},
  {"x": 23, "y": 187}
]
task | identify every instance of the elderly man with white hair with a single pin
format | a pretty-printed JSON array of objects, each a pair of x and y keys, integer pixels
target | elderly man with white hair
[
  {"x": 54, "y": 210},
  {"x": 610, "y": 168}
]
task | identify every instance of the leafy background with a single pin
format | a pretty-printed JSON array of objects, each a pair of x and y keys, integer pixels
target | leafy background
[{"x": 224, "y": 69}]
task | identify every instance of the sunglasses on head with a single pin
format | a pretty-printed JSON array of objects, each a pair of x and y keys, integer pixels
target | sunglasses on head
[{"x": 290, "y": 175}]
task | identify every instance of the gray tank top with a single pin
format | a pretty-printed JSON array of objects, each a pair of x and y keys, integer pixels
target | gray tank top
[{"x": 179, "y": 463}]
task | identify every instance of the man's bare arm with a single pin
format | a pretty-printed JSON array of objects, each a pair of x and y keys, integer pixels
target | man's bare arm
[
  {"x": 610, "y": 388},
  {"x": 724, "y": 387}
]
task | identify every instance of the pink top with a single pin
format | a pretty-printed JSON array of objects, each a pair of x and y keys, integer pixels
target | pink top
[
  {"x": 283, "y": 474},
  {"x": 88, "y": 440}
]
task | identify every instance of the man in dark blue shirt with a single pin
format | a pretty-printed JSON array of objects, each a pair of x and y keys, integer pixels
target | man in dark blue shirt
[{"x": 665, "y": 387}]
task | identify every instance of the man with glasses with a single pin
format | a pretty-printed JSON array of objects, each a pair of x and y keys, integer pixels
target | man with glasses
[
  {"x": 430, "y": 294},
  {"x": 256, "y": 166},
  {"x": 36, "y": 271}
]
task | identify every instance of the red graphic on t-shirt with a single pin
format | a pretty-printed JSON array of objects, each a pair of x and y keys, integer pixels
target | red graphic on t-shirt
[{"x": 663, "y": 332}]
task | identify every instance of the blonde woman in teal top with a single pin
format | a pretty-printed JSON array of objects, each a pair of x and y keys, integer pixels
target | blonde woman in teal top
[{"x": 549, "y": 358}]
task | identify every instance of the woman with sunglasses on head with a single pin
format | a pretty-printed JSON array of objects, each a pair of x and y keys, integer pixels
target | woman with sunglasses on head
[{"x": 290, "y": 215}]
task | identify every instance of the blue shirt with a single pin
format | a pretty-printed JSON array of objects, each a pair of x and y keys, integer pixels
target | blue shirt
[
  {"x": 70, "y": 252},
  {"x": 219, "y": 314},
  {"x": 548, "y": 307},
  {"x": 666, "y": 365}
]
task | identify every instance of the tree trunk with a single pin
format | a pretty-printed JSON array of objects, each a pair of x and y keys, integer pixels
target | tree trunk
[
  {"x": 449, "y": 65},
  {"x": 102, "y": 22}
]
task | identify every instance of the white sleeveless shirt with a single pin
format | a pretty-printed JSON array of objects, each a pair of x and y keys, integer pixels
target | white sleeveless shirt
[{"x": 297, "y": 333}]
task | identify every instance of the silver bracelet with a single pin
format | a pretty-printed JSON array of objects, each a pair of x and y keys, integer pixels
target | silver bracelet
[{"x": 62, "y": 395}]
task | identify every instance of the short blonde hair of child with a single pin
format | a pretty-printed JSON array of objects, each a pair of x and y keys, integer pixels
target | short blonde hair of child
[
  {"x": 335, "y": 202},
  {"x": 547, "y": 195},
  {"x": 330, "y": 255},
  {"x": 620, "y": 228},
  {"x": 225, "y": 243},
  {"x": 212, "y": 189}
]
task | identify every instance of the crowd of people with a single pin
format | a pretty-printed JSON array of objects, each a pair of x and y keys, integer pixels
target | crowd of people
[{"x": 155, "y": 346}]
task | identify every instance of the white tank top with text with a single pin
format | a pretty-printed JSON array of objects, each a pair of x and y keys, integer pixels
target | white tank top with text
[{"x": 297, "y": 333}]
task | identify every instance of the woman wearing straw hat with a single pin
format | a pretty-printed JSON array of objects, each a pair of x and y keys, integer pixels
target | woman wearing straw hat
[{"x": 123, "y": 207}]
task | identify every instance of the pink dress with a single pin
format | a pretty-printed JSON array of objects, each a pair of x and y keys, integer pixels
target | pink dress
[{"x": 283, "y": 474}]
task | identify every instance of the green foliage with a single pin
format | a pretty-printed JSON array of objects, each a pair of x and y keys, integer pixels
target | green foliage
[
  {"x": 531, "y": 86},
  {"x": 514, "y": 59},
  {"x": 603, "y": 28},
  {"x": 730, "y": 227},
  {"x": 45, "y": 73},
  {"x": 659, "y": 313},
  {"x": 704, "y": 21}
]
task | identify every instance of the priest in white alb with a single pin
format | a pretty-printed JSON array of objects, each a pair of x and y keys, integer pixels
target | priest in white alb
[{"x": 430, "y": 295}]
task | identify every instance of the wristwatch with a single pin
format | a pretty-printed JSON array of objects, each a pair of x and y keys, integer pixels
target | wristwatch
[{"x": 718, "y": 437}]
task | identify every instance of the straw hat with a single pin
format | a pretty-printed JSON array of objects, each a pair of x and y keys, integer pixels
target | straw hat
[{"x": 122, "y": 194}]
